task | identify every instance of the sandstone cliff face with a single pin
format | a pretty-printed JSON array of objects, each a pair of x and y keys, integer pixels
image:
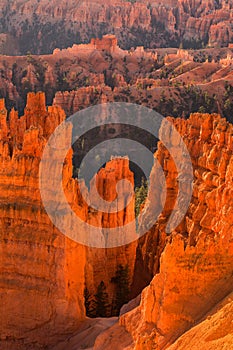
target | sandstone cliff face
[
  {"x": 40, "y": 27},
  {"x": 41, "y": 293},
  {"x": 44, "y": 273},
  {"x": 102, "y": 264},
  {"x": 214, "y": 332},
  {"x": 196, "y": 266},
  {"x": 170, "y": 80}
]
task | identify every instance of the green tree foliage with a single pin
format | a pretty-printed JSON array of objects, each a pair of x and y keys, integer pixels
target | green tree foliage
[
  {"x": 228, "y": 102},
  {"x": 62, "y": 83},
  {"x": 140, "y": 196},
  {"x": 201, "y": 109},
  {"x": 121, "y": 279},
  {"x": 194, "y": 44}
]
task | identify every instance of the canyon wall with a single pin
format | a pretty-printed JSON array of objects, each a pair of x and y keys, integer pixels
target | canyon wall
[
  {"x": 175, "y": 82},
  {"x": 214, "y": 332},
  {"x": 44, "y": 273},
  {"x": 40, "y": 27},
  {"x": 102, "y": 264},
  {"x": 37, "y": 292},
  {"x": 196, "y": 265},
  {"x": 42, "y": 280}
]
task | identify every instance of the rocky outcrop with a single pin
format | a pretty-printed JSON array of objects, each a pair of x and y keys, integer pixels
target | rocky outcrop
[
  {"x": 170, "y": 80},
  {"x": 43, "y": 273},
  {"x": 102, "y": 264},
  {"x": 41, "y": 294},
  {"x": 195, "y": 271},
  {"x": 214, "y": 332},
  {"x": 40, "y": 27}
]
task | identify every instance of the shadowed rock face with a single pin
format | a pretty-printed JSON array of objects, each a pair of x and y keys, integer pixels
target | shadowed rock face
[{"x": 40, "y": 27}]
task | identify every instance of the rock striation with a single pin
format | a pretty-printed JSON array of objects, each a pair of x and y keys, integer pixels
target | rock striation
[
  {"x": 40, "y": 27},
  {"x": 170, "y": 80},
  {"x": 43, "y": 273},
  {"x": 195, "y": 271},
  {"x": 102, "y": 264},
  {"x": 40, "y": 287},
  {"x": 213, "y": 332}
]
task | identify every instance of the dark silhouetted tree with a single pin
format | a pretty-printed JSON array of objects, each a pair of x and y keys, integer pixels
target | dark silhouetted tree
[
  {"x": 101, "y": 304},
  {"x": 121, "y": 279},
  {"x": 89, "y": 303}
]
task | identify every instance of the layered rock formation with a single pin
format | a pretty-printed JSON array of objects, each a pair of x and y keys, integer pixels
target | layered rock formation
[
  {"x": 196, "y": 266},
  {"x": 42, "y": 26},
  {"x": 40, "y": 286},
  {"x": 214, "y": 332},
  {"x": 102, "y": 264},
  {"x": 43, "y": 272},
  {"x": 170, "y": 80}
]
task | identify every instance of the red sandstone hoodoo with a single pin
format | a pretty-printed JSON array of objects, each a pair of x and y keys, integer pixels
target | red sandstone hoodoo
[{"x": 40, "y": 267}]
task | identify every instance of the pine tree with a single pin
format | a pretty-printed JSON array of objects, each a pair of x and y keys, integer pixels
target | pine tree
[
  {"x": 90, "y": 311},
  {"x": 121, "y": 280},
  {"x": 140, "y": 196},
  {"x": 101, "y": 301}
]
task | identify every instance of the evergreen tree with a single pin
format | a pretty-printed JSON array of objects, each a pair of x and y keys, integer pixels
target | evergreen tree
[
  {"x": 121, "y": 279},
  {"x": 140, "y": 196},
  {"x": 90, "y": 311},
  {"x": 101, "y": 301}
]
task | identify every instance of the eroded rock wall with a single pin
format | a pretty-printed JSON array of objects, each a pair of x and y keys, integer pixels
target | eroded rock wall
[
  {"x": 143, "y": 22},
  {"x": 41, "y": 285},
  {"x": 44, "y": 273},
  {"x": 196, "y": 265}
]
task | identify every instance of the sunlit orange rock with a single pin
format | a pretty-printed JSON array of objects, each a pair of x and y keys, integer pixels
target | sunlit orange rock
[
  {"x": 41, "y": 291},
  {"x": 102, "y": 263},
  {"x": 195, "y": 271},
  {"x": 43, "y": 273}
]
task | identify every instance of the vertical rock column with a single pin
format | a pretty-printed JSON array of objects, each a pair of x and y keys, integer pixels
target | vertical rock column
[{"x": 41, "y": 271}]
